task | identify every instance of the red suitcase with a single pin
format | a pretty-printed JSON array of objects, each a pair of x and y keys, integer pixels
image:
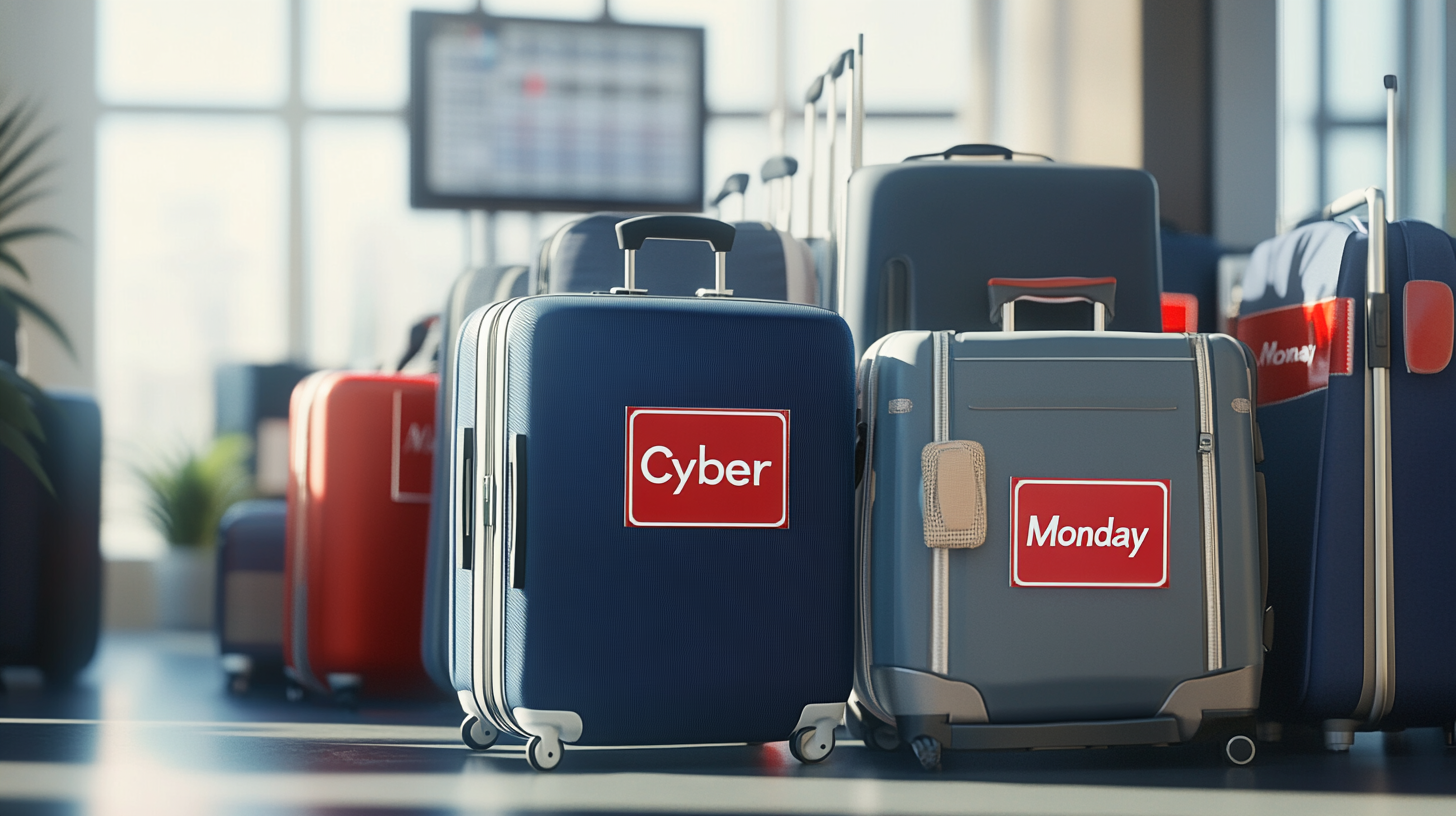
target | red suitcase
[{"x": 361, "y": 453}]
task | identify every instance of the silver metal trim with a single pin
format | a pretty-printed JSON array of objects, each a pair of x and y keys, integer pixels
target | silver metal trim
[
  {"x": 864, "y": 609},
  {"x": 940, "y": 557},
  {"x": 1379, "y": 691},
  {"x": 1208, "y": 478}
]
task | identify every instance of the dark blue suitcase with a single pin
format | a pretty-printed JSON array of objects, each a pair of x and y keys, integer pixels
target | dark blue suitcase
[
  {"x": 1360, "y": 563},
  {"x": 766, "y": 263},
  {"x": 250, "y": 545},
  {"x": 601, "y": 600},
  {"x": 472, "y": 289},
  {"x": 50, "y": 555}
]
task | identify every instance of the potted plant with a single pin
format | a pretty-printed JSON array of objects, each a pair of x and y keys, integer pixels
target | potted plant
[
  {"x": 20, "y": 177},
  {"x": 188, "y": 492}
]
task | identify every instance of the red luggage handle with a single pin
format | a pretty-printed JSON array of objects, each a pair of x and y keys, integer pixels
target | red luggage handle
[
  {"x": 634, "y": 232},
  {"x": 1100, "y": 292}
]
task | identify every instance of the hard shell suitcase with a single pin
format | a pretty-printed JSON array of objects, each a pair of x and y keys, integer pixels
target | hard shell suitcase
[
  {"x": 1352, "y": 334},
  {"x": 474, "y": 288},
  {"x": 599, "y": 598},
  {"x": 1059, "y": 537},
  {"x": 50, "y": 555},
  {"x": 251, "y": 539},
  {"x": 361, "y": 458},
  {"x": 253, "y": 400},
  {"x": 583, "y": 256}
]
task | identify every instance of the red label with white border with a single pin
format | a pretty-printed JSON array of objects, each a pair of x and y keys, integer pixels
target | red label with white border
[
  {"x": 1109, "y": 533},
  {"x": 412, "y": 460},
  {"x": 1299, "y": 347},
  {"x": 707, "y": 467}
]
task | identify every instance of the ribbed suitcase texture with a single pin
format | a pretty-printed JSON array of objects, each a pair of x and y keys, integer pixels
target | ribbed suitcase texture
[
  {"x": 1046, "y": 635},
  {"x": 648, "y": 635},
  {"x": 361, "y": 457},
  {"x": 472, "y": 289},
  {"x": 1323, "y": 586},
  {"x": 923, "y": 238}
]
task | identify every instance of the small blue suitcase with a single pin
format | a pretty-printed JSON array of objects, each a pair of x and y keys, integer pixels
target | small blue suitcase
[
  {"x": 1358, "y": 441},
  {"x": 643, "y": 554},
  {"x": 250, "y": 546}
]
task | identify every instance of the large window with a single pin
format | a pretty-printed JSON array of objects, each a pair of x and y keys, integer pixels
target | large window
[
  {"x": 252, "y": 180},
  {"x": 1332, "y": 56}
]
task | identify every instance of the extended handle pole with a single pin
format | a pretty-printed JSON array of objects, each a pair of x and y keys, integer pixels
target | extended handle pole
[{"x": 1390, "y": 136}]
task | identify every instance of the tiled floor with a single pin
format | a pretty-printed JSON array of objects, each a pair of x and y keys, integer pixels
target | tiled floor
[{"x": 151, "y": 731}]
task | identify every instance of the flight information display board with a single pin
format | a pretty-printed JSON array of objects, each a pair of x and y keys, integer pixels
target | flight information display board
[{"x": 516, "y": 114}]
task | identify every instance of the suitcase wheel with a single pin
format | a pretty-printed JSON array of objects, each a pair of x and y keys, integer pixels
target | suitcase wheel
[
  {"x": 927, "y": 750},
  {"x": 542, "y": 755},
  {"x": 882, "y": 737},
  {"x": 476, "y": 734},
  {"x": 1239, "y": 750},
  {"x": 808, "y": 748}
]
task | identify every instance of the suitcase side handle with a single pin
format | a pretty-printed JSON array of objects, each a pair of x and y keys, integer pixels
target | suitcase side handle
[
  {"x": 977, "y": 150},
  {"x": 1004, "y": 292},
  {"x": 634, "y": 232}
]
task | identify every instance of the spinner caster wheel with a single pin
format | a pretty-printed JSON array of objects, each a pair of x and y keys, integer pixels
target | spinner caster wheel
[
  {"x": 294, "y": 691},
  {"x": 477, "y": 734},
  {"x": 542, "y": 755},
  {"x": 1239, "y": 750},
  {"x": 808, "y": 748},
  {"x": 927, "y": 750},
  {"x": 882, "y": 737}
]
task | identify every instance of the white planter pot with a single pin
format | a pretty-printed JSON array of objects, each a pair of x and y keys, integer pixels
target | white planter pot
[{"x": 185, "y": 587}]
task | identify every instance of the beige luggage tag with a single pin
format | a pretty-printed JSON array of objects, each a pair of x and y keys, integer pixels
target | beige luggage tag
[{"x": 954, "y": 476}]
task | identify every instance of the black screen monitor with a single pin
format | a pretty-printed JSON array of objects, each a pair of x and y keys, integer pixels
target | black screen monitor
[{"x": 551, "y": 115}]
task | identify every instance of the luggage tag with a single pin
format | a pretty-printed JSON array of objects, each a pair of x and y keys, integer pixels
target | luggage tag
[{"x": 954, "y": 478}]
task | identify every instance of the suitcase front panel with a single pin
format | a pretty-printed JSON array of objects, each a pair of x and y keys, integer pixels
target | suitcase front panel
[
  {"x": 676, "y": 634},
  {"x": 1074, "y": 407}
]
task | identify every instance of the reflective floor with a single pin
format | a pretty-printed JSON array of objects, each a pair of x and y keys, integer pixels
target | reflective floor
[{"x": 150, "y": 729}]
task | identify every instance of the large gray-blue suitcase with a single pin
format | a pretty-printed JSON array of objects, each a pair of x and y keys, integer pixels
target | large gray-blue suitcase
[{"x": 1059, "y": 540}]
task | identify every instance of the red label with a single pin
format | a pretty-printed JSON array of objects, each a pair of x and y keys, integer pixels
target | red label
[
  {"x": 1089, "y": 533},
  {"x": 413, "y": 458},
  {"x": 1298, "y": 347},
  {"x": 707, "y": 467}
]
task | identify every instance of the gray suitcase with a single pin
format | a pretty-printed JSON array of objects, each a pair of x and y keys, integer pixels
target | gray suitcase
[{"x": 997, "y": 608}]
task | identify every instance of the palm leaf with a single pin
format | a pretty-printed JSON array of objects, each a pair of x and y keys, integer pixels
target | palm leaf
[
  {"x": 16, "y": 301},
  {"x": 11, "y": 164},
  {"x": 17, "y": 189},
  {"x": 21, "y": 233},
  {"x": 18, "y": 421},
  {"x": 13, "y": 262},
  {"x": 15, "y": 441},
  {"x": 9, "y": 120}
]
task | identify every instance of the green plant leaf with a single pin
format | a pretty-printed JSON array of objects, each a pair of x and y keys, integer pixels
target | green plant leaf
[
  {"x": 20, "y": 233},
  {"x": 12, "y": 123},
  {"x": 10, "y": 165},
  {"x": 11, "y": 298},
  {"x": 188, "y": 492},
  {"x": 18, "y": 194},
  {"x": 16, "y": 443},
  {"x": 13, "y": 262}
]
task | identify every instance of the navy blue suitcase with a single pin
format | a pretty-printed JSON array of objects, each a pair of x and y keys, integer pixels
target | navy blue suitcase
[
  {"x": 50, "y": 554},
  {"x": 473, "y": 288},
  {"x": 603, "y": 593},
  {"x": 766, "y": 263},
  {"x": 1360, "y": 559},
  {"x": 251, "y": 539}
]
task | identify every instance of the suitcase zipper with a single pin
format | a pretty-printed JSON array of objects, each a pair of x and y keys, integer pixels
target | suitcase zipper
[
  {"x": 940, "y": 557},
  {"x": 1208, "y": 461}
]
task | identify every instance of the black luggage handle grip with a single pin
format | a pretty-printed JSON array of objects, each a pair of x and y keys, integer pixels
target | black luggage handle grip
[
  {"x": 836, "y": 68},
  {"x": 778, "y": 167},
  {"x": 815, "y": 90},
  {"x": 1006, "y": 291},
  {"x": 634, "y": 232},
  {"x": 976, "y": 150}
]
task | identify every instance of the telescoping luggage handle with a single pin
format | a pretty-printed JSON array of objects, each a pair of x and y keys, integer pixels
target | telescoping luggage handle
[
  {"x": 633, "y": 232},
  {"x": 1100, "y": 292}
]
